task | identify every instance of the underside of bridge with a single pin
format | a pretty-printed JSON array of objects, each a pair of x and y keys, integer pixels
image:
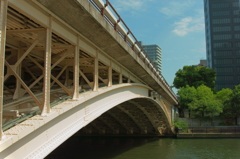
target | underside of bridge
[
  {"x": 42, "y": 67},
  {"x": 25, "y": 62},
  {"x": 71, "y": 71},
  {"x": 25, "y": 68},
  {"x": 134, "y": 117}
]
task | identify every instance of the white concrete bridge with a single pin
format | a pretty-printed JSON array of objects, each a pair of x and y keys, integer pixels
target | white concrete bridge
[{"x": 74, "y": 67}]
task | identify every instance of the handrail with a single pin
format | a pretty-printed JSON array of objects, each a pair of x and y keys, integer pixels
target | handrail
[
  {"x": 30, "y": 114},
  {"x": 126, "y": 34},
  {"x": 37, "y": 111}
]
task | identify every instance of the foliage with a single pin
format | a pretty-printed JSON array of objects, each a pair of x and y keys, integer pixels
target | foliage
[
  {"x": 226, "y": 123},
  {"x": 186, "y": 95},
  {"x": 195, "y": 76},
  {"x": 181, "y": 124},
  {"x": 206, "y": 102},
  {"x": 224, "y": 95},
  {"x": 232, "y": 105}
]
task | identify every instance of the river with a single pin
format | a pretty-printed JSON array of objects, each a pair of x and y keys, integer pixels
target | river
[{"x": 146, "y": 148}]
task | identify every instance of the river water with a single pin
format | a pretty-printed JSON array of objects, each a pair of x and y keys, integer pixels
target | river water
[{"x": 146, "y": 148}]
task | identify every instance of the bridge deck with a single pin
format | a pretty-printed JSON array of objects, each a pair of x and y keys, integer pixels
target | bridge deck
[{"x": 57, "y": 48}]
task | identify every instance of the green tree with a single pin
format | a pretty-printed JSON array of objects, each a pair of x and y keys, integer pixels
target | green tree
[
  {"x": 232, "y": 106},
  {"x": 186, "y": 95},
  {"x": 195, "y": 76},
  {"x": 224, "y": 95},
  {"x": 206, "y": 102}
]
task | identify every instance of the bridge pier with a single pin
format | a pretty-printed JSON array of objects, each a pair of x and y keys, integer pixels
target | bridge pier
[{"x": 3, "y": 26}]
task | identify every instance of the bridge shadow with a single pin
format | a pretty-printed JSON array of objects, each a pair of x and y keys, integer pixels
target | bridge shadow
[{"x": 101, "y": 147}]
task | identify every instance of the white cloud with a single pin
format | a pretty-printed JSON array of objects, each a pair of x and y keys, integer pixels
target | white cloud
[
  {"x": 188, "y": 24},
  {"x": 175, "y": 8}
]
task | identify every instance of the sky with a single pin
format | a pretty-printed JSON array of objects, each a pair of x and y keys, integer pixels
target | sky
[{"x": 177, "y": 26}]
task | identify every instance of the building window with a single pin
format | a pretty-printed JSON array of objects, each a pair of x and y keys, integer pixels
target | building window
[
  {"x": 238, "y": 61},
  {"x": 221, "y": 21},
  {"x": 237, "y": 44},
  {"x": 220, "y": 5},
  {"x": 223, "y": 61},
  {"x": 225, "y": 78},
  {"x": 222, "y": 45},
  {"x": 237, "y": 36},
  {"x": 223, "y": 53},
  {"x": 235, "y": 4},
  {"x": 236, "y": 12},
  {"x": 220, "y": 13},
  {"x": 220, "y": 86},
  {"x": 231, "y": 86},
  {"x": 221, "y": 29},
  {"x": 236, "y": 20},
  {"x": 237, "y": 52},
  {"x": 224, "y": 69},
  {"x": 236, "y": 28},
  {"x": 222, "y": 37}
]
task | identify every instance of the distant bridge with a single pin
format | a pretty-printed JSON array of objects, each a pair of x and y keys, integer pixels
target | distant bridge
[{"x": 74, "y": 67}]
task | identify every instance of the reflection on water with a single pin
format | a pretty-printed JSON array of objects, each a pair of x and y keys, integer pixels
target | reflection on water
[{"x": 146, "y": 148}]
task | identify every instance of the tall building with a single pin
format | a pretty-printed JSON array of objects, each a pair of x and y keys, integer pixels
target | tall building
[
  {"x": 202, "y": 63},
  {"x": 155, "y": 54},
  {"x": 222, "y": 28}
]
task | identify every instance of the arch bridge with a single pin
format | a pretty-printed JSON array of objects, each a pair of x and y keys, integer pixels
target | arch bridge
[{"x": 74, "y": 67}]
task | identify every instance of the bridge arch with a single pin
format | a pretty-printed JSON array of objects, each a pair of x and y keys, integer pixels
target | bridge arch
[{"x": 70, "y": 116}]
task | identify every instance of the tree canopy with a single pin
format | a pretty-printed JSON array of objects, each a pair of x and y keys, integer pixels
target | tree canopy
[
  {"x": 186, "y": 95},
  {"x": 195, "y": 76},
  {"x": 232, "y": 105},
  {"x": 206, "y": 102},
  {"x": 224, "y": 95}
]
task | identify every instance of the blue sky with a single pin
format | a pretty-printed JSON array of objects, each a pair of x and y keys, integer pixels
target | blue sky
[{"x": 177, "y": 26}]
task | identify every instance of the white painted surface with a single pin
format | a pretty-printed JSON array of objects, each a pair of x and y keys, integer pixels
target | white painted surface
[{"x": 38, "y": 136}]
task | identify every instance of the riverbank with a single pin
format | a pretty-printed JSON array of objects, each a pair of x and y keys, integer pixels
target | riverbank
[
  {"x": 129, "y": 136},
  {"x": 209, "y": 135}
]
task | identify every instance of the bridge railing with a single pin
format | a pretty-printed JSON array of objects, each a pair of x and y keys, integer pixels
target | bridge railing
[
  {"x": 113, "y": 18},
  {"x": 31, "y": 114}
]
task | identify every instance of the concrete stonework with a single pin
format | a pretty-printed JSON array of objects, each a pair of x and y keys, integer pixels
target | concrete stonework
[{"x": 81, "y": 15}]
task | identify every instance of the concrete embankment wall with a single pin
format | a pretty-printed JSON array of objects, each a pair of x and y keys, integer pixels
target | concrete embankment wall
[
  {"x": 198, "y": 122},
  {"x": 214, "y": 135}
]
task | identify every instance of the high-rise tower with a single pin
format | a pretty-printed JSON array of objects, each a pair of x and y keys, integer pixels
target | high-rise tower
[
  {"x": 155, "y": 54},
  {"x": 222, "y": 28}
]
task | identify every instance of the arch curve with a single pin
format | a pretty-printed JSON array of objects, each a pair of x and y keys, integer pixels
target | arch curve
[{"x": 69, "y": 117}]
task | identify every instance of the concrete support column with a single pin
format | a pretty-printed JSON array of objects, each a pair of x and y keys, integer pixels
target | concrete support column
[
  {"x": 76, "y": 71},
  {"x": 47, "y": 69},
  {"x": 129, "y": 78},
  {"x": 120, "y": 78},
  {"x": 95, "y": 76},
  {"x": 67, "y": 77},
  {"x": 3, "y": 25},
  {"x": 110, "y": 75}
]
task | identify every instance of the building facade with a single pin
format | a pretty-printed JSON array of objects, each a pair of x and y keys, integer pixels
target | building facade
[
  {"x": 155, "y": 54},
  {"x": 202, "y": 63},
  {"x": 222, "y": 29}
]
